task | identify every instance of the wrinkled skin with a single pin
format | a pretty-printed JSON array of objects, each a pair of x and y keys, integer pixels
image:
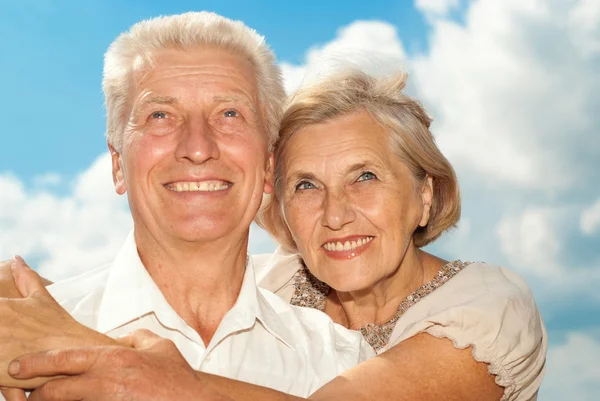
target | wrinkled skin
[
  {"x": 36, "y": 322},
  {"x": 153, "y": 370},
  {"x": 8, "y": 288}
]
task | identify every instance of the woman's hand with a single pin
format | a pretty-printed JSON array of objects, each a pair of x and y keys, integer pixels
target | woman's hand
[
  {"x": 36, "y": 323},
  {"x": 8, "y": 288},
  {"x": 154, "y": 370}
]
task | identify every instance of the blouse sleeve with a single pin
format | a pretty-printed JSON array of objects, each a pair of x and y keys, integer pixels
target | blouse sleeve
[
  {"x": 275, "y": 272},
  {"x": 492, "y": 310}
]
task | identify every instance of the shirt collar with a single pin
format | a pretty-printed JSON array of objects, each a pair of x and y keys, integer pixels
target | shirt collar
[
  {"x": 252, "y": 305},
  {"x": 130, "y": 293}
]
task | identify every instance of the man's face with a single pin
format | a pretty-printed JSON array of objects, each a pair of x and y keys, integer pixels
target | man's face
[{"x": 194, "y": 160}]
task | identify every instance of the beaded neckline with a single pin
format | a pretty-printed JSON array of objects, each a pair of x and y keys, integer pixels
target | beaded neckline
[{"x": 312, "y": 293}]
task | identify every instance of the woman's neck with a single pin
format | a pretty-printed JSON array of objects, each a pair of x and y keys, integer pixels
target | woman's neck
[{"x": 379, "y": 303}]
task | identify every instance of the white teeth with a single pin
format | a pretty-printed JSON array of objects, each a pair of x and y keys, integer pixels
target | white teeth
[
  {"x": 346, "y": 246},
  {"x": 202, "y": 186}
]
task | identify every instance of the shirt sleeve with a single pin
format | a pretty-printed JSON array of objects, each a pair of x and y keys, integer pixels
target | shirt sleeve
[{"x": 491, "y": 310}]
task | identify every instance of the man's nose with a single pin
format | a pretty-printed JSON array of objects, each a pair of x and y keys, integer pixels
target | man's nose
[
  {"x": 198, "y": 143},
  {"x": 337, "y": 210}
]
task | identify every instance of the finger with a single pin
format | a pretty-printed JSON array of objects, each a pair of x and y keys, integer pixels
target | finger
[
  {"x": 28, "y": 281},
  {"x": 64, "y": 389},
  {"x": 8, "y": 288},
  {"x": 139, "y": 339},
  {"x": 53, "y": 363},
  {"x": 13, "y": 394}
]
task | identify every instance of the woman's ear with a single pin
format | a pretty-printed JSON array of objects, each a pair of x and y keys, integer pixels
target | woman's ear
[
  {"x": 117, "y": 170},
  {"x": 427, "y": 199}
]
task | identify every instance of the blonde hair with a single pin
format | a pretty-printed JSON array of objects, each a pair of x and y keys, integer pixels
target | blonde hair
[
  {"x": 407, "y": 124},
  {"x": 135, "y": 48}
]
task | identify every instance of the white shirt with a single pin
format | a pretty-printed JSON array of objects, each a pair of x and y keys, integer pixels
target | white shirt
[{"x": 261, "y": 340}]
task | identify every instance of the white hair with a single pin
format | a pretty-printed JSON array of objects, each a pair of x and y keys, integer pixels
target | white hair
[{"x": 135, "y": 48}]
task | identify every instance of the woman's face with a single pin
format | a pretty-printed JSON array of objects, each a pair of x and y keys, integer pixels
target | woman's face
[{"x": 351, "y": 205}]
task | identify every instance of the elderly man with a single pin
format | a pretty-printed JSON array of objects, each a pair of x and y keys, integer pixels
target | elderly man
[{"x": 193, "y": 103}]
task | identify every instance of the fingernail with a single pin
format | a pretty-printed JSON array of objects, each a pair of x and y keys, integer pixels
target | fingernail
[{"x": 14, "y": 367}]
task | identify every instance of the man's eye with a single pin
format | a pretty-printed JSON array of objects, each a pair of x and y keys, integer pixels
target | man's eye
[
  {"x": 304, "y": 185},
  {"x": 159, "y": 114},
  {"x": 367, "y": 175},
  {"x": 230, "y": 113}
]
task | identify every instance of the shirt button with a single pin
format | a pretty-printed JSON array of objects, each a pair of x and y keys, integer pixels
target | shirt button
[{"x": 207, "y": 359}]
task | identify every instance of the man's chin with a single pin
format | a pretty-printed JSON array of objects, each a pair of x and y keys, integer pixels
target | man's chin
[{"x": 206, "y": 231}]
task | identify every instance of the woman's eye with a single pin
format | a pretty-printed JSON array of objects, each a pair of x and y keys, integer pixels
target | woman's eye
[
  {"x": 367, "y": 175},
  {"x": 159, "y": 114},
  {"x": 304, "y": 185},
  {"x": 230, "y": 113}
]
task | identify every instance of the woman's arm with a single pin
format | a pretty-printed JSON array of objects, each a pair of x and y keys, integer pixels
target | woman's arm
[
  {"x": 35, "y": 322},
  {"x": 420, "y": 368},
  {"x": 8, "y": 288}
]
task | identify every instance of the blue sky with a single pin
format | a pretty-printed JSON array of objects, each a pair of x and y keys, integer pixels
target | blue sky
[
  {"x": 513, "y": 88},
  {"x": 52, "y": 57}
]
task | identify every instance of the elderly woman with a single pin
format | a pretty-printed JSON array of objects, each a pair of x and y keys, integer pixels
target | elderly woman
[{"x": 361, "y": 187}]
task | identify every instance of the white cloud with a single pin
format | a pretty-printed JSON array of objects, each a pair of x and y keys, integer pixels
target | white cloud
[
  {"x": 64, "y": 234},
  {"x": 47, "y": 179},
  {"x": 529, "y": 240},
  {"x": 573, "y": 372},
  {"x": 584, "y": 27},
  {"x": 590, "y": 219},
  {"x": 513, "y": 99},
  {"x": 436, "y": 7},
  {"x": 373, "y": 45}
]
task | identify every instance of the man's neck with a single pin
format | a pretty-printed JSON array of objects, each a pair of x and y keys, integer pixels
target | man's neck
[{"x": 201, "y": 281}]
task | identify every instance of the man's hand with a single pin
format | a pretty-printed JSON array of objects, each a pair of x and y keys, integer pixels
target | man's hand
[
  {"x": 154, "y": 370},
  {"x": 37, "y": 323}
]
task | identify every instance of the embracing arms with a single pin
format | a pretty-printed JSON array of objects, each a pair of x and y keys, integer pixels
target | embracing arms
[
  {"x": 420, "y": 368},
  {"x": 31, "y": 321}
]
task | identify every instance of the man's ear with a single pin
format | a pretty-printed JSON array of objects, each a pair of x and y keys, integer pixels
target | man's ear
[
  {"x": 427, "y": 199},
  {"x": 269, "y": 175},
  {"x": 117, "y": 170}
]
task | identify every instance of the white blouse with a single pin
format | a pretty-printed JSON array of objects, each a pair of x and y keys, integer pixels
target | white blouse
[{"x": 484, "y": 306}]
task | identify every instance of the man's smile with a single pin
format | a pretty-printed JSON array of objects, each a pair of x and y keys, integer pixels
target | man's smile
[{"x": 198, "y": 186}]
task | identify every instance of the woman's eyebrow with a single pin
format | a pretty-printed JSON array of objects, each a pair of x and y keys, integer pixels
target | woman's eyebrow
[
  {"x": 300, "y": 175},
  {"x": 357, "y": 166}
]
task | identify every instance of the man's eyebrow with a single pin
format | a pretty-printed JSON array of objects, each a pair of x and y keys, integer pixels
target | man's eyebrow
[
  {"x": 223, "y": 99},
  {"x": 158, "y": 100}
]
